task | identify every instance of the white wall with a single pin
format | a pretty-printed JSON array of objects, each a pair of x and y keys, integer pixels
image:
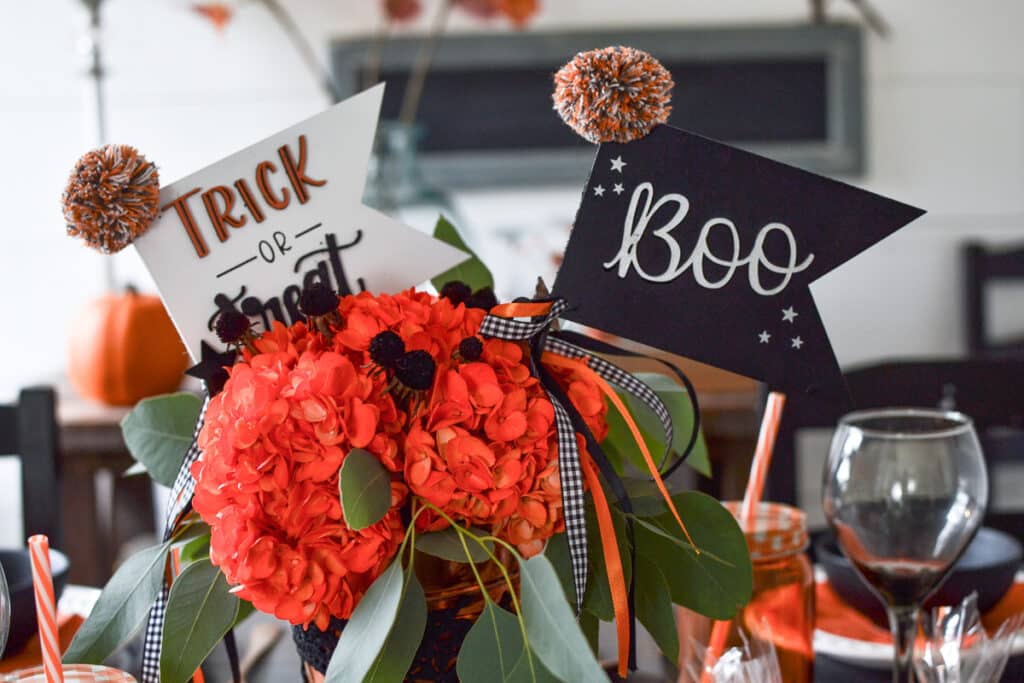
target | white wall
[{"x": 945, "y": 128}]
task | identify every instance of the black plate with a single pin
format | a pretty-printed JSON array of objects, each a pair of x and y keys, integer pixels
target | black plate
[
  {"x": 987, "y": 566},
  {"x": 18, "y": 568}
]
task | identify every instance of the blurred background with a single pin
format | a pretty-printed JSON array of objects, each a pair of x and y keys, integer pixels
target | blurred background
[{"x": 919, "y": 100}]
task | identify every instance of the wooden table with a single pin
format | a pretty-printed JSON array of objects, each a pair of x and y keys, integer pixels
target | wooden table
[{"x": 101, "y": 509}]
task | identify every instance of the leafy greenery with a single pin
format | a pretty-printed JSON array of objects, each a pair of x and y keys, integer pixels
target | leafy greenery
[
  {"x": 598, "y": 599},
  {"x": 654, "y": 607},
  {"x": 446, "y": 545},
  {"x": 121, "y": 608},
  {"x": 551, "y": 628},
  {"x": 200, "y": 611},
  {"x": 367, "y": 630},
  {"x": 472, "y": 271},
  {"x": 717, "y": 581},
  {"x": 365, "y": 487},
  {"x": 404, "y": 639},
  {"x": 158, "y": 432},
  {"x": 620, "y": 446},
  {"x": 557, "y": 552},
  {"x": 494, "y": 650},
  {"x": 195, "y": 549}
]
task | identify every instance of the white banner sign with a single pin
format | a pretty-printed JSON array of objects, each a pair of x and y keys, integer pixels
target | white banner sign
[{"x": 251, "y": 230}]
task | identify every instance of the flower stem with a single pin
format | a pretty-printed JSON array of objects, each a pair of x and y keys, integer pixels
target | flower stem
[
  {"x": 414, "y": 89},
  {"x": 482, "y": 542}
]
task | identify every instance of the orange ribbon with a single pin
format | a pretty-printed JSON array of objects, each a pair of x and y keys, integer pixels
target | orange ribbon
[
  {"x": 610, "y": 545},
  {"x": 561, "y": 361},
  {"x": 612, "y": 560}
]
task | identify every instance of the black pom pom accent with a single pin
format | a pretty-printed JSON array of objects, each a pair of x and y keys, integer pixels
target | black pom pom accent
[
  {"x": 386, "y": 348},
  {"x": 416, "y": 370},
  {"x": 456, "y": 291},
  {"x": 318, "y": 299},
  {"x": 482, "y": 298},
  {"x": 231, "y": 326},
  {"x": 471, "y": 349}
]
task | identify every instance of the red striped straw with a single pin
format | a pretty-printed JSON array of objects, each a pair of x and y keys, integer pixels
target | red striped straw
[
  {"x": 46, "y": 607},
  {"x": 751, "y": 499}
]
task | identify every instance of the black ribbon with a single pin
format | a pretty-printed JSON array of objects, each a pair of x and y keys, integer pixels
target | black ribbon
[{"x": 537, "y": 333}]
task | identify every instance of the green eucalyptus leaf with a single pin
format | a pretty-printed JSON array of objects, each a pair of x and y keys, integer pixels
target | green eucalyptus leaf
[
  {"x": 492, "y": 648},
  {"x": 196, "y": 549},
  {"x": 646, "y": 498},
  {"x": 472, "y": 271},
  {"x": 680, "y": 408},
  {"x": 446, "y": 545},
  {"x": 121, "y": 608},
  {"x": 551, "y": 628},
  {"x": 367, "y": 629},
  {"x": 716, "y": 582},
  {"x": 598, "y": 598},
  {"x": 620, "y": 445},
  {"x": 365, "y": 487},
  {"x": 557, "y": 552},
  {"x": 654, "y": 608},
  {"x": 158, "y": 432},
  {"x": 399, "y": 649},
  {"x": 591, "y": 626},
  {"x": 200, "y": 610}
]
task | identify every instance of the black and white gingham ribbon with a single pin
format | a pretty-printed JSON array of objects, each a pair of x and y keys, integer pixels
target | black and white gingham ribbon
[
  {"x": 179, "y": 503},
  {"x": 573, "y": 503}
]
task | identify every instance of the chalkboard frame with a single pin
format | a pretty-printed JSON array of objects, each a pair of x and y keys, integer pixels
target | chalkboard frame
[{"x": 838, "y": 44}]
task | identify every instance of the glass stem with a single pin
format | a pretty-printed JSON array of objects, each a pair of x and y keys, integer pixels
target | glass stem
[{"x": 903, "y": 624}]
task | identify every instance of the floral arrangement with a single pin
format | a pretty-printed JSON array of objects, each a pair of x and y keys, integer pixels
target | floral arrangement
[
  {"x": 459, "y": 425},
  {"x": 339, "y": 461}
]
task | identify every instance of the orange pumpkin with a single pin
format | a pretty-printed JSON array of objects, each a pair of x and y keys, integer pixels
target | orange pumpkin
[{"x": 123, "y": 348}]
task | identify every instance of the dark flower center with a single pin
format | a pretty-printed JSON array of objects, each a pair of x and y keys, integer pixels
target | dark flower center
[
  {"x": 231, "y": 326},
  {"x": 386, "y": 348},
  {"x": 471, "y": 349},
  {"x": 482, "y": 298},
  {"x": 415, "y": 370},
  {"x": 318, "y": 299},
  {"x": 456, "y": 292}
]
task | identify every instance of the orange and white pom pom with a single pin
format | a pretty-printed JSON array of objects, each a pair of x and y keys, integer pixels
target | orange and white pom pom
[
  {"x": 616, "y": 94},
  {"x": 112, "y": 197}
]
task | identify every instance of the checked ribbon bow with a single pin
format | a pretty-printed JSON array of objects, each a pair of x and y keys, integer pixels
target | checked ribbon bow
[{"x": 532, "y": 322}]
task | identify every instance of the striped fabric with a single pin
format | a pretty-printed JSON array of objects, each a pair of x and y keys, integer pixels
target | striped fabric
[{"x": 73, "y": 673}]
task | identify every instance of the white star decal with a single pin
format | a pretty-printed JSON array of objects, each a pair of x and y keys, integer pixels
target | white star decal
[
  {"x": 617, "y": 164},
  {"x": 797, "y": 342},
  {"x": 789, "y": 315},
  {"x": 599, "y": 191},
  {"x": 764, "y": 336},
  {"x": 618, "y": 189}
]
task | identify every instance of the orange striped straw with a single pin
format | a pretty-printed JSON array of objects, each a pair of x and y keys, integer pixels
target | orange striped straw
[
  {"x": 762, "y": 456},
  {"x": 46, "y": 607},
  {"x": 751, "y": 498}
]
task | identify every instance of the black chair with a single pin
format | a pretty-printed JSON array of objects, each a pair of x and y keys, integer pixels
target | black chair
[
  {"x": 989, "y": 390},
  {"x": 982, "y": 267},
  {"x": 28, "y": 429}
]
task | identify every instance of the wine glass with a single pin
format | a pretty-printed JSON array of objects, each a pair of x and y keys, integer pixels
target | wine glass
[
  {"x": 5, "y": 610},
  {"x": 905, "y": 491}
]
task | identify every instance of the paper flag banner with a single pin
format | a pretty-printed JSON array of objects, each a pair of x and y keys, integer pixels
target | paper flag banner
[
  {"x": 707, "y": 251},
  {"x": 251, "y": 230}
]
